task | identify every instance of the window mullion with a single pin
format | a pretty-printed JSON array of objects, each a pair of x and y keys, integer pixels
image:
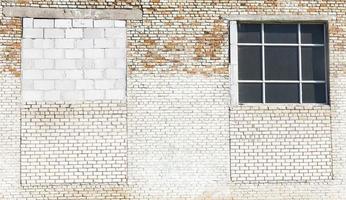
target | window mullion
[
  {"x": 263, "y": 65},
  {"x": 325, "y": 61},
  {"x": 300, "y": 65}
]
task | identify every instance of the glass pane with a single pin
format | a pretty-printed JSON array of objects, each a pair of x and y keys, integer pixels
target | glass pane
[
  {"x": 281, "y": 33},
  {"x": 250, "y": 93},
  {"x": 313, "y": 63},
  {"x": 282, "y": 93},
  {"x": 250, "y": 63},
  {"x": 281, "y": 63},
  {"x": 314, "y": 93},
  {"x": 249, "y": 33},
  {"x": 312, "y": 33}
]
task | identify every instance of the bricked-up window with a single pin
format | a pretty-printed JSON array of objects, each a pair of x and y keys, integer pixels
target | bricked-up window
[{"x": 281, "y": 63}]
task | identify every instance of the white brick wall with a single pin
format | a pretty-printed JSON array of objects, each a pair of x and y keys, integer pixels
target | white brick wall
[
  {"x": 282, "y": 143},
  {"x": 82, "y": 143},
  {"x": 70, "y": 53}
]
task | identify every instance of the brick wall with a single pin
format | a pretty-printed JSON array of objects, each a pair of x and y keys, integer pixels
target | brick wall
[
  {"x": 272, "y": 144},
  {"x": 179, "y": 125},
  {"x": 74, "y": 143}
]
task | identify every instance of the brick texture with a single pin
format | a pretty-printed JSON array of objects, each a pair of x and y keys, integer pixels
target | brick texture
[
  {"x": 185, "y": 141},
  {"x": 74, "y": 143},
  {"x": 272, "y": 144}
]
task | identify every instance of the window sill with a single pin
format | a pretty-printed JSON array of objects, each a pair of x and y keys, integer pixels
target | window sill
[{"x": 283, "y": 106}]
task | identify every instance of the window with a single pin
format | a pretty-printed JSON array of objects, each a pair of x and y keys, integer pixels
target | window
[{"x": 280, "y": 63}]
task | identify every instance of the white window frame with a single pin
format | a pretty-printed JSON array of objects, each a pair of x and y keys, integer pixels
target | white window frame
[{"x": 233, "y": 38}]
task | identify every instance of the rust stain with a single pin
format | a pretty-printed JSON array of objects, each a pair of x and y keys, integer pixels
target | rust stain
[
  {"x": 168, "y": 23},
  {"x": 208, "y": 71},
  {"x": 10, "y": 27},
  {"x": 170, "y": 46},
  {"x": 209, "y": 44},
  {"x": 179, "y": 17},
  {"x": 130, "y": 70},
  {"x": 11, "y": 51},
  {"x": 272, "y": 2},
  {"x": 12, "y": 70},
  {"x": 23, "y": 1},
  {"x": 153, "y": 58},
  {"x": 312, "y": 10},
  {"x": 149, "y": 66},
  {"x": 149, "y": 42},
  {"x": 334, "y": 29}
]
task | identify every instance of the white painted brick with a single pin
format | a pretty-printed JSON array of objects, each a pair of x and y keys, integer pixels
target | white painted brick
[
  {"x": 94, "y": 33},
  {"x": 53, "y": 53},
  {"x": 120, "y": 43},
  {"x": 104, "y": 63},
  {"x": 51, "y": 95},
  {"x": 43, "y": 43},
  {"x": 115, "y": 53},
  {"x": 32, "y": 74},
  {"x": 94, "y": 94},
  {"x": 120, "y": 64},
  {"x": 74, "y": 33},
  {"x": 44, "y": 64},
  {"x": 32, "y": 33},
  {"x": 115, "y": 74},
  {"x": 43, "y": 23},
  {"x": 93, "y": 74},
  {"x": 74, "y": 74},
  {"x": 85, "y": 63},
  {"x": 27, "y": 84},
  {"x": 30, "y": 95},
  {"x": 119, "y": 24},
  {"x": 85, "y": 43},
  {"x": 120, "y": 83},
  {"x": 103, "y": 23},
  {"x": 32, "y": 53},
  {"x": 82, "y": 23},
  {"x": 28, "y": 22},
  {"x": 53, "y": 74},
  {"x": 94, "y": 53},
  {"x": 27, "y": 43},
  {"x": 72, "y": 95},
  {"x": 65, "y": 64},
  {"x": 104, "y": 43},
  {"x": 104, "y": 84},
  {"x": 64, "y": 85},
  {"x": 115, "y": 94},
  {"x": 64, "y": 43},
  {"x": 69, "y": 61},
  {"x": 43, "y": 85},
  {"x": 84, "y": 84},
  {"x": 54, "y": 33},
  {"x": 115, "y": 33},
  {"x": 74, "y": 53},
  {"x": 27, "y": 64},
  {"x": 63, "y": 23}
]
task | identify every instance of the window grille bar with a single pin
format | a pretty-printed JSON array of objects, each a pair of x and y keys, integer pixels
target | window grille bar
[
  {"x": 300, "y": 64},
  {"x": 325, "y": 62},
  {"x": 280, "y": 81},
  {"x": 280, "y": 44},
  {"x": 263, "y": 66}
]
